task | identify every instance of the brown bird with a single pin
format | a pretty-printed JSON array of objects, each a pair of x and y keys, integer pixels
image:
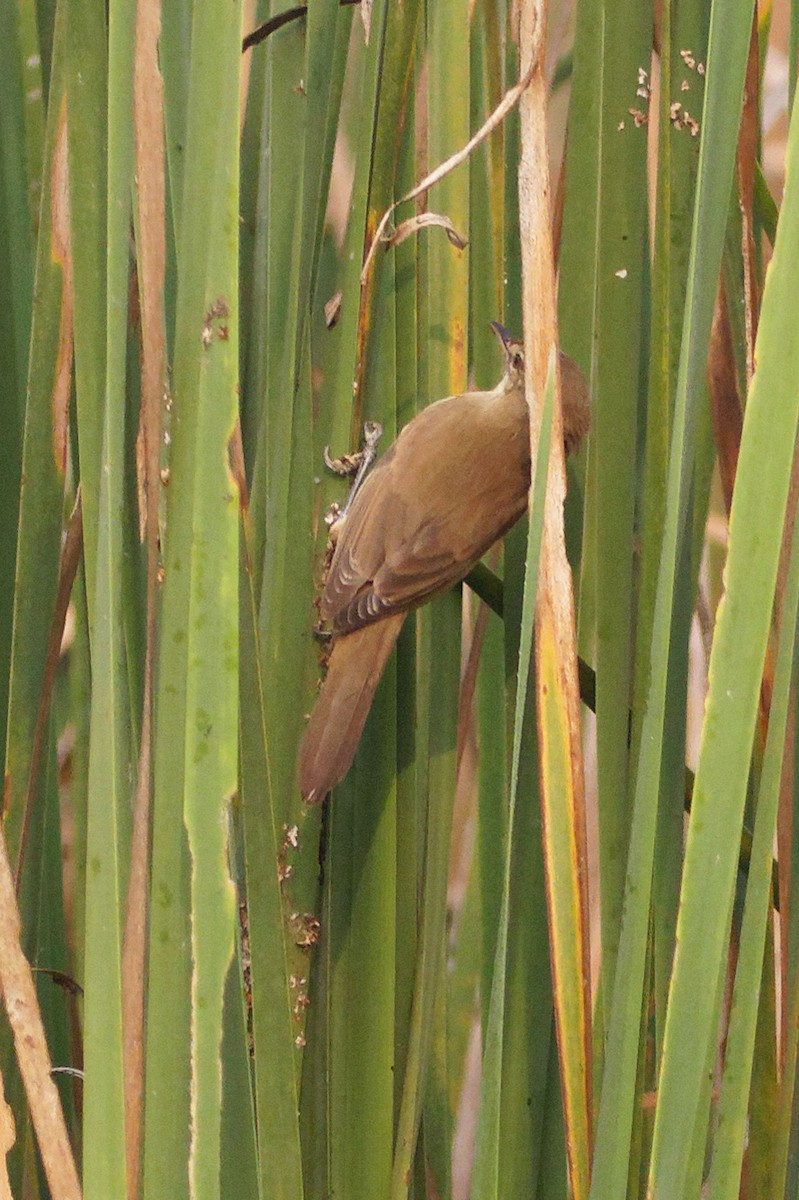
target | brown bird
[{"x": 455, "y": 480}]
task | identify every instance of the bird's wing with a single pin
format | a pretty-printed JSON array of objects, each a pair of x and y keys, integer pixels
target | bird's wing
[
  {"x": 358, "y": 550},
  {"x": 401, "y": 544},
  {"x": 428, "y": 567}
]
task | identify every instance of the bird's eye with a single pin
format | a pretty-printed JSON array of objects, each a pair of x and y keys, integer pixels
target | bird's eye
[{"x": 518, "y": 361}]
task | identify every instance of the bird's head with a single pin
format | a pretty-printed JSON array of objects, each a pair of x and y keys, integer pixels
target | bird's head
[
  {"x": 575, "y": 395},
  {"x": 514, "y": 354}
]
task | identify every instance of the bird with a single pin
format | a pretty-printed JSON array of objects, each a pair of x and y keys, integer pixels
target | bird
[{"x": 452, "y": 484}]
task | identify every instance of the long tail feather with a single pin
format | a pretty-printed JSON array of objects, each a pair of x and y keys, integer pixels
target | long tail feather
[{"x": 328, "y": 746}]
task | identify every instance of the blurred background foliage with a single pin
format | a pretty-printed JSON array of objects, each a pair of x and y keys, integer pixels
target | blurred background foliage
[{"x": 246, "y": 998}]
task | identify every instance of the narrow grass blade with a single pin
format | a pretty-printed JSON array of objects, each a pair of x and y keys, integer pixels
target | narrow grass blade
[
  {"x": 443, "y": 322},
  {"x": 43, "y": 466},
  {"x": 16, "y": 282},
  {"x": 276, "y": 1093},
  {"x": 150, "y": 232},
  {"x": 175, "y": 59},
  {"x": 410, "y": 790},
  {"x": 621, "y": 281},
  {"x": 676, "y": 182},
  {"x": 578, "y": 262},
  {"x": 87, "y": 107}
]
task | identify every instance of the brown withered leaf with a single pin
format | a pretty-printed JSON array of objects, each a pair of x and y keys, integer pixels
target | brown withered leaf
[
  {"x": 71, "y": 550},
  {"x": 30, "y": 1043},
  {"x": 748, "y": 148},
  {"x": 148, "y": 101},
  {"x": 62, "y": 254},
  {"x": 562, "y": 781}
]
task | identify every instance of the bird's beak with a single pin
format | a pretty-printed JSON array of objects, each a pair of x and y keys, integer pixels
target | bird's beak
[{"x": 502, "y": 333}]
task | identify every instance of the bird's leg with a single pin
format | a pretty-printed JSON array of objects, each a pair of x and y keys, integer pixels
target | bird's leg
[
  {"x": 331, "y": 520},
  {"x": 345, "y": 466},
  {"x": 354, "y": 464},
  {"x": 372, "y": 433},
  {"x": 324, "y": 640},
  {"x": 349, "y": 464}
]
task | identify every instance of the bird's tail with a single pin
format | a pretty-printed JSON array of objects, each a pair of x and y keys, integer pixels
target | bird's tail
[{"x": 331, "y": 738}]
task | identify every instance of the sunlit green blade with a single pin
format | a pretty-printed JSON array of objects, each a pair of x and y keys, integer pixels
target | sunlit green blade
[
  {"x": 110, "y": 761},
  {"x": 191, "y": 937},
  {"x": 732, "y": 1134},
  {"x": 735, "y": 672},
  {"x": 717, "y": 154},
  {"x": 212, "y": 635}
]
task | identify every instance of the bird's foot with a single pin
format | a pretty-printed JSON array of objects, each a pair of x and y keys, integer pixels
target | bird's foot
[
  {"x": 348, "y": 465},
  {"x": 355, "y": 465}
]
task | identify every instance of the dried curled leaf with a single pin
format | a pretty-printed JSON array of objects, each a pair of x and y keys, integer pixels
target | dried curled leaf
[
  {"x": 423, "y": 221},
  {"x": 511, "y": 97}
]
